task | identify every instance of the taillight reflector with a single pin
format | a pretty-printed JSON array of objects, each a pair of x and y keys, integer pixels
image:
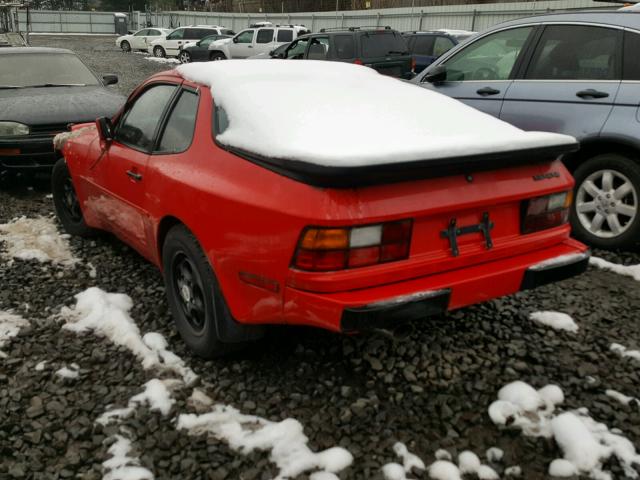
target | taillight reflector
[{"x": 326, "y": 249}]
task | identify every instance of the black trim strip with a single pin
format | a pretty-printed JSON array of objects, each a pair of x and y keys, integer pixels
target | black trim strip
[{"x": 350, "y": 177}]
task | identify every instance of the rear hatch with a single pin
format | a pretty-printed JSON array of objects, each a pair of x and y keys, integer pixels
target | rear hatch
[{"x": 387, "y": 52}]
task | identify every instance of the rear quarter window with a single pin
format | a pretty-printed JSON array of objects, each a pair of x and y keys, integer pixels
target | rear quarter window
[
  {"x": 631, "y": 65},
  {"x": 284, "y": 36},
  {"x": 344, "y": 47},
  {"x": 380, "y": 44}
]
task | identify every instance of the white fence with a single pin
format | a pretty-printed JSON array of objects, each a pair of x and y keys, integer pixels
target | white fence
[{"x": 463, "y": 17}]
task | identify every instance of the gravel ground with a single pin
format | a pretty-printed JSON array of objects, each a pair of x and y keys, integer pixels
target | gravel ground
[{"x": 429, "y": 388}]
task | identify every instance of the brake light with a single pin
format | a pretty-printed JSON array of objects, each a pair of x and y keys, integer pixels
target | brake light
[
  {"x": 413, "y": 64},
  {"x": 546, "y": 212},
  {"x": 358, "y": 62},
  {"x": 325, "y": 249}
]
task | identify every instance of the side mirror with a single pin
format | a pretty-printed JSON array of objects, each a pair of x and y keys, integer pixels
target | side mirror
[
  {"x": 235, "y": 39},
  {"x": 105, "y": 129},
  {"x": 109, "y": 79},
  {"x": 436, "y": 74}
]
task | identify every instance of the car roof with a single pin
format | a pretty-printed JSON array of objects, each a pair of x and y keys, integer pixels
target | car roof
[
  {"x": 628, "y": 19},
  {"x": 10, "y": 50}
]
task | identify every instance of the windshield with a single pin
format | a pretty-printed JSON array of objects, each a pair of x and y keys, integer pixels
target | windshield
[
  {"x": 38, "y": 69},
  {"x": 381, "y": 44}
]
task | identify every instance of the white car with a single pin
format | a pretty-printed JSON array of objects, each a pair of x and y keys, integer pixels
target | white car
[
  {"x": 141, "y": 39},
  {"x": 253, "y": 41},
  {"x": 170, "y": 45}
]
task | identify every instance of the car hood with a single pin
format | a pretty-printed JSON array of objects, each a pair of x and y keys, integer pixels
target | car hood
[
  {"x": 221, "y": 42},
  {"x": 57, "y": 105}
]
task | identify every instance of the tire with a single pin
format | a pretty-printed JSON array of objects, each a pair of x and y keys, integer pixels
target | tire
[
  {"x": 606, "y": 208},
  {"x": 125, "y": 46},
  {"x": 184, "y": 57},
  {"x": 66, "y": 202},
  {"x": 195, "y": 299},
  {"x": 216, "y": 56},
  {"x": 159, "y": 52}
]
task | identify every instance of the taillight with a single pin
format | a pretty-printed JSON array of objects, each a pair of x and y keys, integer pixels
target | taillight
[
  {"x": 324, "y": 249},
  {"x": 358, "y": 62},
  {"x": 413, "y": 64},
  {"x": 546, "y": 212}
]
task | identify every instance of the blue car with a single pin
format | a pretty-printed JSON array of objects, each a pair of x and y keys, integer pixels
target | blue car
[
  {"x": 425, "y": 47},
  {"x": 572, "y": 73}
]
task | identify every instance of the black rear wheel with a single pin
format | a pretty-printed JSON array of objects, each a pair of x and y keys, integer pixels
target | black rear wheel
[
  {"x": 66, "y": 201},
  {"x": 159, "y": 52},
  {"x": 216, "y": 56},
  {"x": 184, "y": 57}
]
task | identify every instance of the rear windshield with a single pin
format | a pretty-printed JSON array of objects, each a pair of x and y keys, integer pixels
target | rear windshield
[
  {"x": 381, "y": 44},
  {"x": 38, "y": 69}
]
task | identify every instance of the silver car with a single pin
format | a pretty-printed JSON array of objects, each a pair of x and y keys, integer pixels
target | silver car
[{"x": 572, "y": 73}]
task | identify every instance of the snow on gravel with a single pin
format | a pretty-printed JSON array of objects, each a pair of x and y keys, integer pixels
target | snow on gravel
[
  {"x": 628, "y": 270},
  {"x": 494, "y": 454},
  {"x": 585, "y": 443},
  {"x": 621, "y": 397},
  {"x": 40, "y": 366},
  {"x": 70, "y": 372},
  {"x": 285, "y": 440},
  {"x": 156, "y": 395},
  {"x": 36, "y": 239},
  {"x": 555, "y": 320},
  {"x": 122, "y": 466},
  {"x": 10, "y": 325},
  {"x": 163, "y": 60},
  {"x": 624, "y": 351}
]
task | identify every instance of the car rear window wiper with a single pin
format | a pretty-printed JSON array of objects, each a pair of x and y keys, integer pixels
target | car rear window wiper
[{"x": 44, "y": 85}]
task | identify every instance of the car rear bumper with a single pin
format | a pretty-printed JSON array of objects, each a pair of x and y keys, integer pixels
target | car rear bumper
[
  {"x": 27, "y": 153},
  {"x": 386, "y": 305}
]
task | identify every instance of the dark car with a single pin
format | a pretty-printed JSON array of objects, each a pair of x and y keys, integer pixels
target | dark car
[
  {"x": 199, "y": 51},
  {"x": 572, "y": 73},
  {"x": 427, "y": 46},
  {"x": 380, "y": 48},
  {"x": 42, "y": 91}
]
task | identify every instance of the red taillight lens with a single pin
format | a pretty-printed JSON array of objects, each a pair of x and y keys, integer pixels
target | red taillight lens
[
  {"x": 358, "y": 62},
  {"x": 546, "y": 212},
  {"x": 326, "y": 249},
  {"x": 413, "y": 64}
]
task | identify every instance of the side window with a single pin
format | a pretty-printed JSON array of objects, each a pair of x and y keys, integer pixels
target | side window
[
  {"x": 178, "y": 132},
  {"x": 176, "y": 35},
  {"x": 574, "y": 52},
  {"x": 318, "y": 48},
  {"x": 631, "y": 67},
  {"x": 490, "y": 58},
  {"x": 284, "y": 35},
  {"x": 265, "y": 35},
  {"x": 245, "y": 37},
  {"x": 344, "y": 47},
  {"x": 422, "y": 45},
  {"x": 296, "y": 49},
  {"x": 441, "y": 45},
  {"x": 138, "y": 126},
  {"x": 203, "y": 32},
  {"x": 141, "y": 33},
  {"x": 205, "y": 42},
  {"x": 153, "y": 33}
]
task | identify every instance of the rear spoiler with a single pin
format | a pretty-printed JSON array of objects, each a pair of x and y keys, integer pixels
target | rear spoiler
[{"x": 361, "y": 176}]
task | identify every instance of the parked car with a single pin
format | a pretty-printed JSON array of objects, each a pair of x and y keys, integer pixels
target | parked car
[
  {"x": 140, "y": 40},
  {"x": 198, "y": 51},
  {"x": 275, "y": 53},
  {"x": 573, "y": 73},
  {"x": 42, "y": 91},
  {"x": 366, "y": 210},
  {"x": 253, "y": 41},
  {"x": 425, "y": 47},
  {"x": 169, "y": 46},
  {"x": 382, "y": 49}
]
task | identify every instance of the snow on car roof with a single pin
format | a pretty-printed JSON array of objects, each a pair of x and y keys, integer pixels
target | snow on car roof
[{"x": 336, "y": 114}]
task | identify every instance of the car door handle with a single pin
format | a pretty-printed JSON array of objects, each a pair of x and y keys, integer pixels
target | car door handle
[
  {"x": 135, "y": 175},
  {"x": 591, "y": 93},
  {"x": 486, "y": 91}
]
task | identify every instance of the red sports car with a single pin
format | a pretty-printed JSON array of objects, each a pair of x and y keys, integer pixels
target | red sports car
[{"x": 317, "y": 193}]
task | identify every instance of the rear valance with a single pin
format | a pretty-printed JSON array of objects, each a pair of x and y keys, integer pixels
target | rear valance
[{"x": 378, "y": 174}]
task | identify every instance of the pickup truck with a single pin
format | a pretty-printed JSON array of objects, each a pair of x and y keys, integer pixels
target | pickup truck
[{"x": 253, "y": 41}]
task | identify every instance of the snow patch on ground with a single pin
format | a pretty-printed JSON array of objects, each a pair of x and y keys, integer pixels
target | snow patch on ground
[
  {"x": 624, "y": 351},
  {"x": 410, "y": 461},
  {"x": 444, "y": 470},
  {"x": 585, "y": 443},
  {"x": 36, "y": 239},
  {"x": 10, "y": 325},
  {"x": 494, "y": 454},
  {"x": 162, "y": 60},
  {"x": 630, "y": 271},
  {"x": 122, "y": 466},
  {"x": 285, "y": 440},
  {"x": 513, "y": 471},
  {"x": 621, "y": 397},
  {"x": 71, "y": 372},
  {"x": 555, "y": 320},
  {"x": 40, "y": 366},
  {"x": 156, "y": 395},
  {"x": 107, "y": 315}
]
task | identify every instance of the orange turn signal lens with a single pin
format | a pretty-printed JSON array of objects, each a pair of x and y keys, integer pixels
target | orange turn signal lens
[{"x": 325, "y": 239}]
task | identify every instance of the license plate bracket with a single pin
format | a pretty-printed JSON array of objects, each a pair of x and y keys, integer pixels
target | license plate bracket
[{"x": 454, "y": 231}]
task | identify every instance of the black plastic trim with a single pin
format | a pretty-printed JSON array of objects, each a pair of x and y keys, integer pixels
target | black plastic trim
[
  {"x": 534, "y": 278},
  {"x": 350, "y": 177},
  {"x": 386, "y": 315}
]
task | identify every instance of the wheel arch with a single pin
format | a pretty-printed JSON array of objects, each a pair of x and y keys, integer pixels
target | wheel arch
[
  {"x": 591, "y": 147},
  {"x": 166, "y": 224}
]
